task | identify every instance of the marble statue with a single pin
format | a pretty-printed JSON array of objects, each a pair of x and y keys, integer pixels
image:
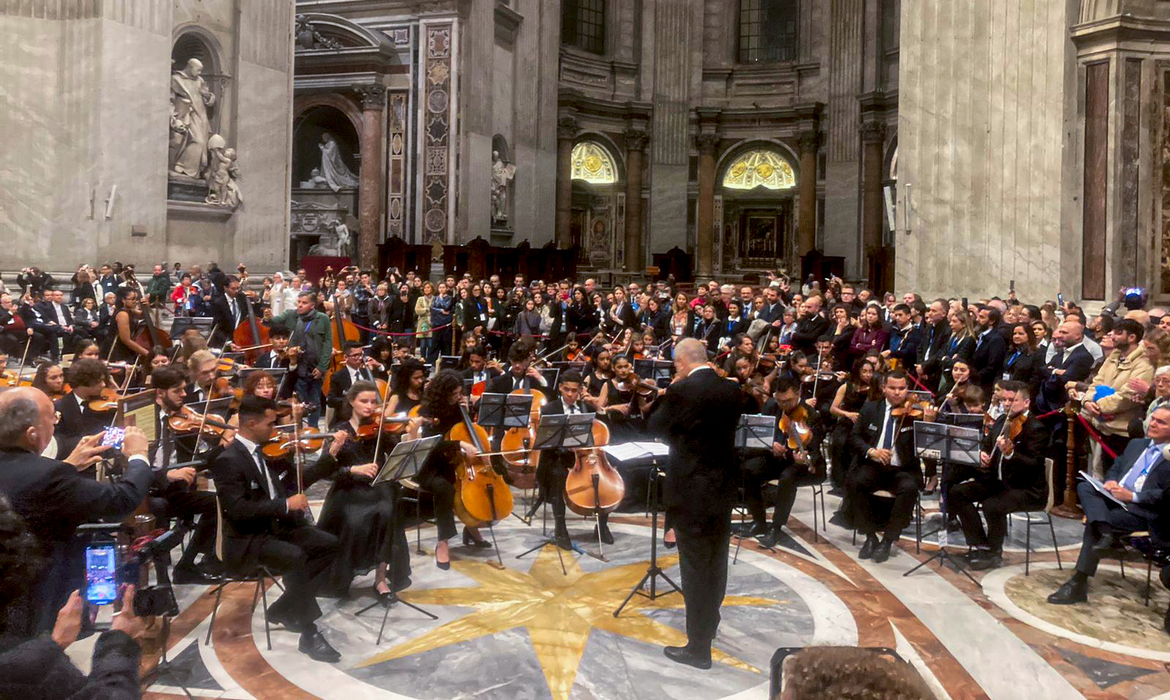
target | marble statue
[
  {"x": 344, "y": 238},
  {"x": 316, "y": 180},
  {"x": 190, "y": 123},
  {"x": 502, "y": 173},
  {"x": 309, "y": 38},
  {"x": 338, "y": 243},
  {"x": 336, "y": 173},
  {"x": 222, "y": 188}
]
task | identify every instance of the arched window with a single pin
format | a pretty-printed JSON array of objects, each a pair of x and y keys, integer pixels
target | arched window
[
  {"x": 583, "y": 25},
  {"x": 592, "y": 163},
  {"x": 759, "y": 168},
  {"x": 767, "y": 31}
]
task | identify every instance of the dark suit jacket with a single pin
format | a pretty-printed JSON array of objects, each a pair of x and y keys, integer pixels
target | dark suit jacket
[
  {"x": 48, "y": 313},
  {"x": 76, "y": 423},
  {"x": 1077, "y": 368},
  {"x": 503, "y": 385},
  {"x": 1152, "y": 506},
  {"x": 867, "y": 433},
  {"x": 697, "y": 417},
  {"x": 562, "y": 458},
  {"x": 709, "y": 334},
  {"x": 807, "y": 332},
  {"x": 225, "y": 324},
  {"x": 248, "y": 511},
  {"x": 627, "y": 316},
  {"x": 907, "y": 342},
  {"x": 933, "y": 341},
  {"x": 491, "y": 373},
  {"x": 1025, "y": 469},
  {"x": 987, "y": 359},
  {"x": 340, "y": 383}
]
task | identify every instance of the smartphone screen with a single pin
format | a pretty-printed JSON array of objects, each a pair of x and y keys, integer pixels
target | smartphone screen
[
  {"x": 114, "y": 438},
  {"x": 1060, "y": 299},
  {"x": 101, "y": 573}
]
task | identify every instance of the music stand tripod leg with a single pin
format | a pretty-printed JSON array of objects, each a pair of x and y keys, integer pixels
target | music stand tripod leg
[
  {"x": 942, "y": 555},
  {"x": 653, "y": 571}
]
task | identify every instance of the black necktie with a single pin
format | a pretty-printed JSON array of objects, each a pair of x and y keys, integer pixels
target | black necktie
[{"x": 263, "y": 466}]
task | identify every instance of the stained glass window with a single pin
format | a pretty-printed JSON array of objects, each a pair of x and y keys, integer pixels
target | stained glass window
[
  {"x": 593, "y": 164},
  {"x": 759, "y": 169}
]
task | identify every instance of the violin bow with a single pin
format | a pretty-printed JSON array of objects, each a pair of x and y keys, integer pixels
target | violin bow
[
  {"x": 23, "y": 360},
  {"x": 125, "y": 387},
  {"x": 381, "y": 421}
]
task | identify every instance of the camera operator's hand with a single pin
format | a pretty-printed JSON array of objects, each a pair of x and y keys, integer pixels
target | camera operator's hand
[
  {"x": 297, "y": 502},
  {"x": 88, "y": 451},
  {"x": 135, "y": 443},
  {"x": 125, "y": 620},
  {"x": 68, "y": 624}
]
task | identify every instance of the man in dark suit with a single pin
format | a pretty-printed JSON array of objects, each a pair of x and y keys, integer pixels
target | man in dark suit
[
  {"x": 1011, "y": 478},
  {"x": 1139, "y": 478},
  {"x": 477, "y": 370},
  {"x": 884, "y": 445},
  {"x": 934, "y": 338},
  {"x": 229, "y": 310},
  {"x": 56, "y": 500},
  {"x": 87, "y": 379},
  {"x": 46, "y": 332},
  {"x": 54, "y": 309},
  {"x": 262, "y": 525},
  {"x": 522, "y": 374},
  {"x": 697, "y": 416},
  {"x": 353, "y": 371},
  {"x": 812, "y": 325},
  {"x": 903, "y": 341},
  {"x": 990, "y": 350},
  {"x": 1071, "y": 361},
  {"x": 273, "y": 359}
]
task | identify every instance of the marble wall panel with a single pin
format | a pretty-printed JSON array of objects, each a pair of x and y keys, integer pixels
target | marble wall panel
[{"x": 667, "y": 215}]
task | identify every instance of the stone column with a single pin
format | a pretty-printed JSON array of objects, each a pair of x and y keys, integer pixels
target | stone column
[
  {"x": 566, "y": 131},
  {"x": 705, "y": 235},
  {"x": 873, "y": 136},
  {"x": 636, "y": 141},
  {"x": 372, "y": 177},
  {"x": 806, "y": 222}
]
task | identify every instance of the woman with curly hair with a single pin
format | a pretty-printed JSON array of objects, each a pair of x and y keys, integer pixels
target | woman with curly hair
[{"x": 437, "y": 414}]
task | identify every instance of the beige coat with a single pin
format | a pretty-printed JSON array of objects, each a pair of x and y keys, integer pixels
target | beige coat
[{"x": 1118, "y": 409}]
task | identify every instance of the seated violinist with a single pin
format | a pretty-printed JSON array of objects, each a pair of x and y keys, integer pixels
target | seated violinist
[
  {"x": 363, "y": 517},
  {"x": 555, "y": 464},
  {"x": 791, "y": 467},
  {"x": 174, "y": 489},
  {"x": 437, "y": 414},
  {"x": 354, "y": 370},
  {"x": 77, "y": 419},
  {"x": 883, "y": 441},
  {"x": 1010, "y": 478},
  {"x": 277, "y": 355},
  {"x": 479, "y": 370}
]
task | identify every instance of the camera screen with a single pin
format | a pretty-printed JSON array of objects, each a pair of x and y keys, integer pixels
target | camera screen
[
  {"x": 114, "y": 438},
  {"x": 101, "y": 574}
]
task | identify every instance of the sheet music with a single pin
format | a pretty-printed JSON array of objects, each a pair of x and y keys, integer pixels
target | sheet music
[
  {"x": 636, "y": 450},
  {"x": 1095, "y": 483}
]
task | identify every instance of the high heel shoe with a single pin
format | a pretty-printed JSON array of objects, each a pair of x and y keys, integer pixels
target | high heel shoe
[
  {"x": 469, "y": 541},
  {"x": 443, "y": 565},
  {"x": 669, "y": 545}
]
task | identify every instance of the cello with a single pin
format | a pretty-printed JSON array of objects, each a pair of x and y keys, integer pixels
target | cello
[
  {"x": 481, "y": 495},
  {"x": 250, "y": 335},
  {"x": 593, "y": 486}
]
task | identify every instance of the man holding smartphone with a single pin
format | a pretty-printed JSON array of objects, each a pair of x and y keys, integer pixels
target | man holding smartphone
[{"x": 55, "y": 499}]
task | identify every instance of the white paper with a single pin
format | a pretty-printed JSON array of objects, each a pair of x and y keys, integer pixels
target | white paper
[
  {"x": 1095, "y": 483},
  {"x": 636, "y": 450}
]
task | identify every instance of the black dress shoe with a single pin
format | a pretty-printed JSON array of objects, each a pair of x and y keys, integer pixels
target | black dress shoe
[
  {"x": 689, "y": 656},
  {"x": 867, "y": 548},
  {"x": 990, "y": 560},
  {"x": 769, "y": 540},
  {"x": 1072, "y": 592},
  {"x": 563, "y": 541},
  {"x": 284, "y": 619},
  {"x": 881, "y": 552},
  {"x": 314, "y": 645},
  {"x": 976, "y": 554},
  {"x": 669, "y": 545},
  {"x": 606, "y": 535},
  {"x": 470, "y": 541},
  {"x": 752, "y": 529},
  {"x": 186, "y": 575},
  {"x": 1105, "y": 543}
]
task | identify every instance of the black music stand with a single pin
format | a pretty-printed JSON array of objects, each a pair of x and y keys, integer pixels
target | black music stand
[
  {"x": 504, "y": 410},
  {"x": 949, "y": 444},
  {"x": 654, "y": 370},
  {"x": 562, "y": 432},
  {"x": 200, "y": 323},
  {"x": 404, "y": 462},
  {"x": 550, "y": 375},
  {"x": 754, "y": 432},
  {"x": 653, "y": 571}
]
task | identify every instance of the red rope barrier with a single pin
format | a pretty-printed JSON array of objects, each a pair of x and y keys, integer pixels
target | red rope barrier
[{"x": 1096, "y": 436}]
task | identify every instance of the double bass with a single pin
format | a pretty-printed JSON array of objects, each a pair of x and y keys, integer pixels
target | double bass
[
  {"x": 251, "y": 335},
  {"x": 343, "y": 332},
  {"x": 593, "y": 486}
]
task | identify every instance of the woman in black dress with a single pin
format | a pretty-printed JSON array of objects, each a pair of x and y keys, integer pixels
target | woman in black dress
[
  {"x": 623, "y": 407},
  {"x": 408, "y": 387},
  {"x": 437, "y": 414},
  {"x": 128, "y": 322},
  {"x": 595, "y": 379},
  {"x": 851, "y": 396},
  {"x": 368, "y": 527},
  {"x": 1023, "y": 362}
]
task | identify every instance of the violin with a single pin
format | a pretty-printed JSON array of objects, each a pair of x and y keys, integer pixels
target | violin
[
  {"x": 105, "y": 402},
  {"x": 390, "y": 424},
  {"x": 285, "y": 441},
  {"x": 593, "y": 486},
  {"x": 794, "y": 425},
  {"x": 186, "y": 420}
]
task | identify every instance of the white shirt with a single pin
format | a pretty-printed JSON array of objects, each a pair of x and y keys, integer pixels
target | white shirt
[
  {"x": 261, "y": 467},
  {"x": 60, "y": 314},
  {"x": 700, "y": 367},
  {"x": 355, "y": 375},
  {"x": 894, "y": 461}
]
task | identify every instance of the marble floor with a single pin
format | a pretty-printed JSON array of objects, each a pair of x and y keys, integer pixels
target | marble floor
[{"x": 531, "y": 630}]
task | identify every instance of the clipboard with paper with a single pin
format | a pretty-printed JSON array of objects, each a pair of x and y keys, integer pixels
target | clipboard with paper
[{"x": 1100, "y": 488}]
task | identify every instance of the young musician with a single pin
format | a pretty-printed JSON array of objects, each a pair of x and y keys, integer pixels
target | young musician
[
  {"x": 883, "y": 443},
  {"x": 438, "y": 413},
  {"x": 847, "y": 403},
  {"x": 792, "y": 467},
  {"x": 263, "y": 525},
  {"x": 353, "y": 371},
  {"x": 408, "y": 387},
  {"x": 362, "y": 516},
  {"x": 1010, "y": 478},
  {"x": 87, "y": 378},
  {"x": 555, "y": 464},
  {"x": 128, "y": 321}
]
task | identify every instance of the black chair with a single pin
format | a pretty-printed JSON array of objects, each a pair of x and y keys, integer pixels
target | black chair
[
  {"x": 257, "y": 574},
  {"x": 409, "y": 485},
  {"x": 1033, "y": 518}
]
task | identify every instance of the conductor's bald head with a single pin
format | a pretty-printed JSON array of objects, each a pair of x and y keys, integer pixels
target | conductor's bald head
[
  {"x": 26, "y": 419},
  {"x": 689, "y": 353}
]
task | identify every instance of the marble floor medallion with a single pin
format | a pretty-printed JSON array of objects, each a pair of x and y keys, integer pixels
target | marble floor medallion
[{"x": 527, "y": 630}]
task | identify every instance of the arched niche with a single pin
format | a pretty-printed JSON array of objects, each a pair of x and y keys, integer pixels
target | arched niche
[
  {"x": 756, "y": 187},
  {"x": 308, "y": 128},
  {"x": 193, "y": 41},
  {"x": 599, "y": 200}
]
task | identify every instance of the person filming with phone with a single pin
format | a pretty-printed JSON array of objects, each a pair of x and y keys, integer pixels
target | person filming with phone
[{"x": 54, "y": 499}]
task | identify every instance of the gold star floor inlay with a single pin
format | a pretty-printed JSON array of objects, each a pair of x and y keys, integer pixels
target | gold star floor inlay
[{"x": 559, "y": 612}]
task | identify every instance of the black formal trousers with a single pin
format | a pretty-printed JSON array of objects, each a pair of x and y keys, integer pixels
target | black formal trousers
[
  {"x": 302, "y": 555},
  {"x": 762, "y": 467},
  {"x": 868, "y": 477},
  {"x": 551, "y": 475},
  {"x": 703, "y": 541},
  {"x": 998, "y": 502},
  {"x": 1100, "y": 510},
  {"x": 185, "y": 503}
]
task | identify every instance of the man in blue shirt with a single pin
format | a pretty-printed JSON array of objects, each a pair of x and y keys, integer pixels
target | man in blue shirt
[{"x": 1138, "y": 479}]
